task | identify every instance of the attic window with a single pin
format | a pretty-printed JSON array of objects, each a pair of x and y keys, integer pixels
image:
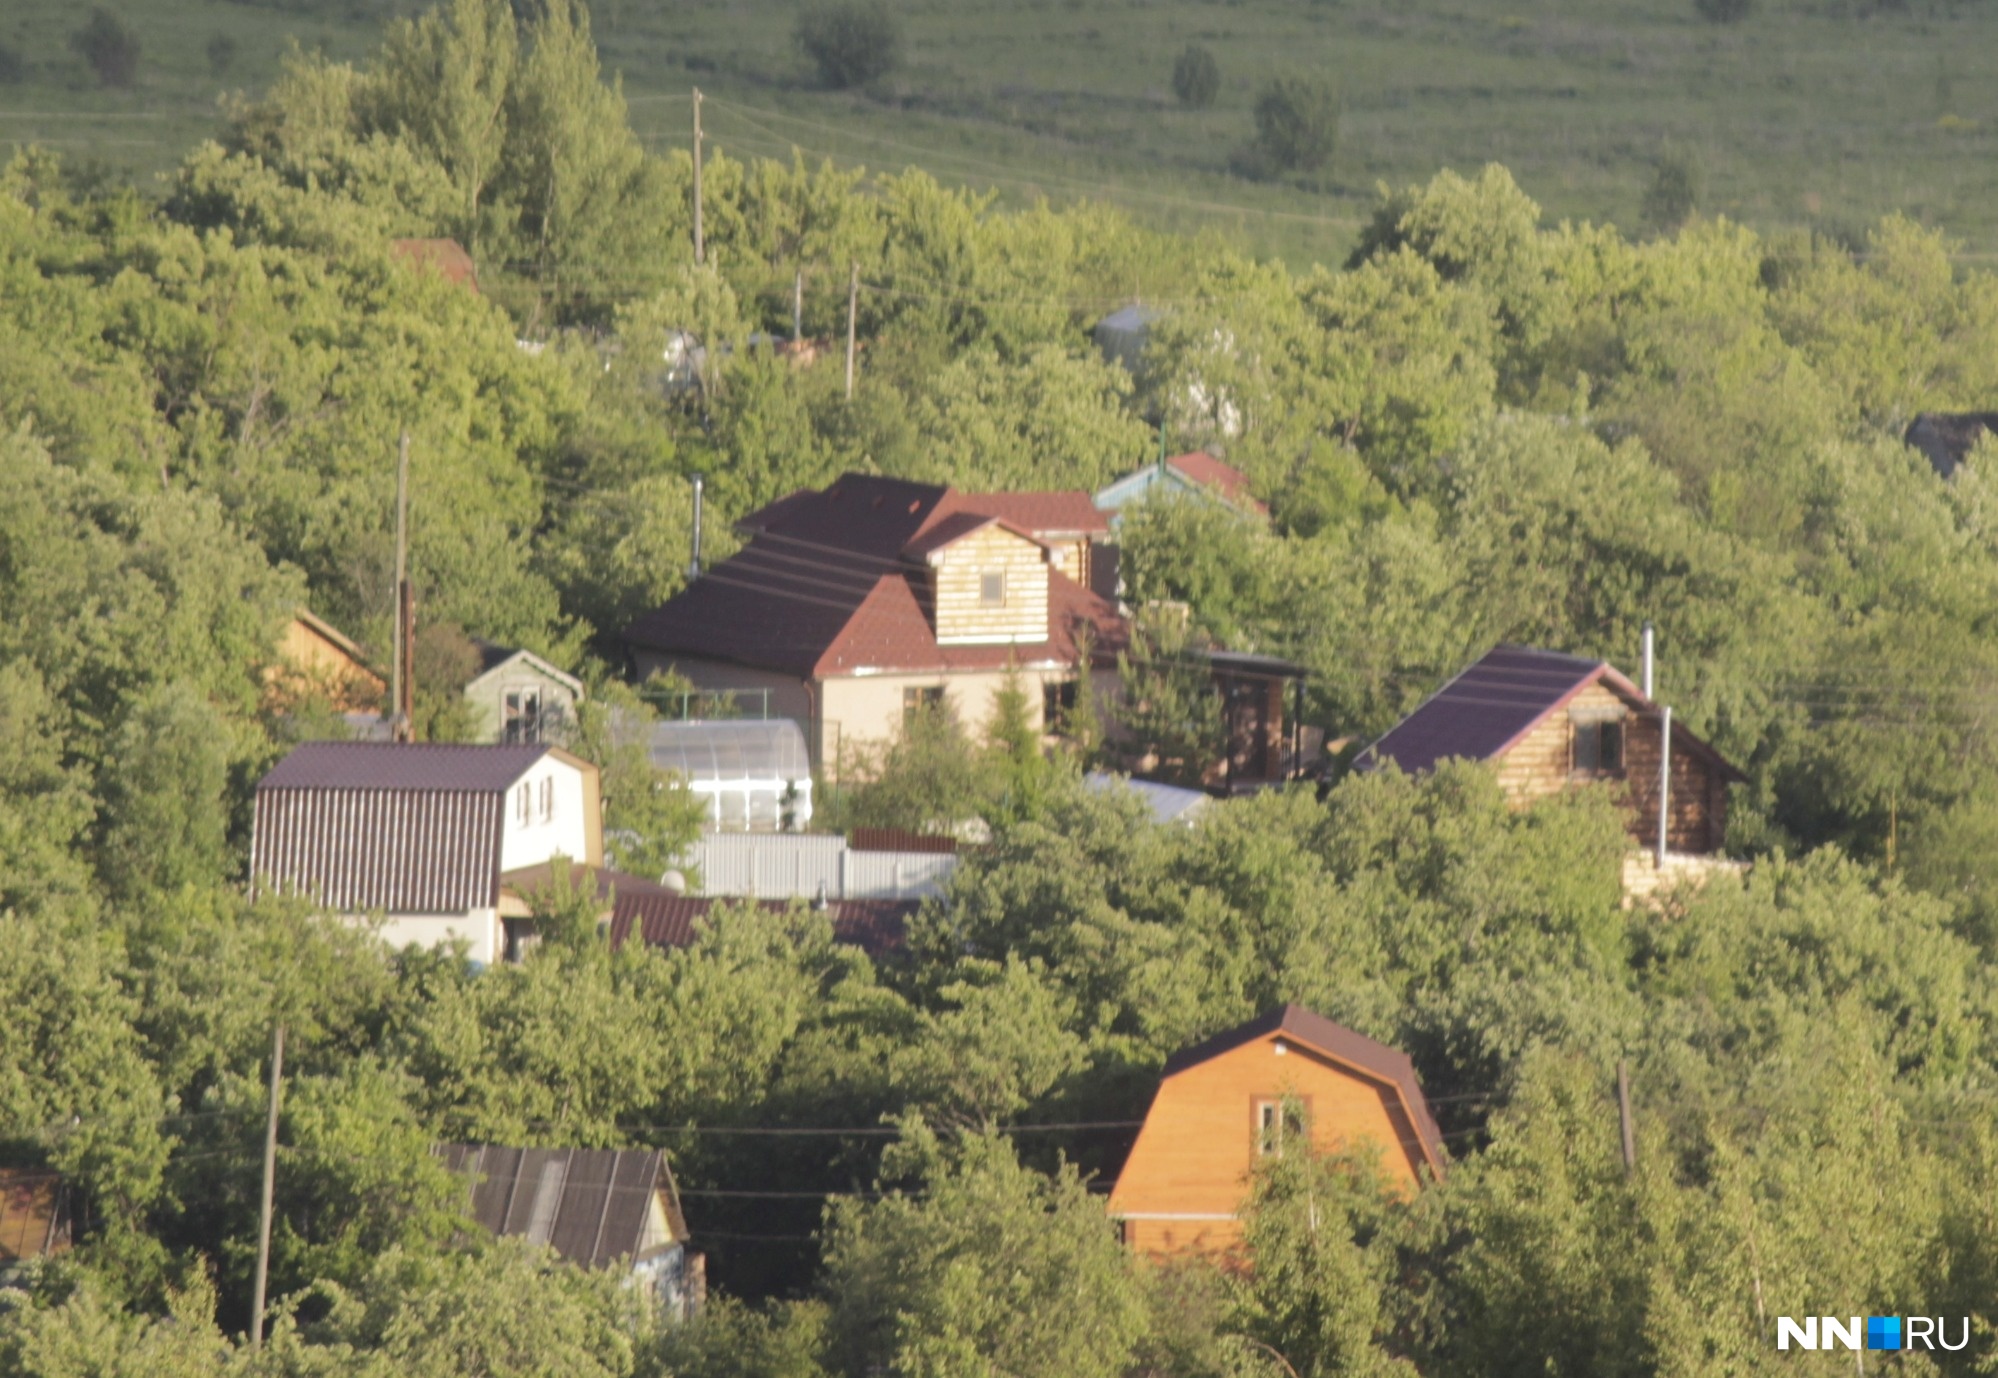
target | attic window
[
  {"x": 547, "y": 798},
  {"x": 1278, "y": 1122},
  {"x": 1598, "y": 744},
  {"x": 520, "y": 715},
  {"x": 992, "y": 589},
  {"x": 523, "y": 803}
]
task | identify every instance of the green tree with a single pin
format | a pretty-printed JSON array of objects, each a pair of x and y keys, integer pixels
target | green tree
[
  {"x": 167, "y": 798},
  {"x": 1196, "y": 77},
  {"x": 109, "y": 47},
  {"x": 854, "y": 43},
  {"x": 982, "y": 1273},
  {"x": 1297, "y": 123}
]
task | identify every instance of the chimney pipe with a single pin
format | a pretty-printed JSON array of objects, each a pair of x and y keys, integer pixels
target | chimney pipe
[
  {"x": 1649, "y": 645},
  {"x": 694, "y": 568}
]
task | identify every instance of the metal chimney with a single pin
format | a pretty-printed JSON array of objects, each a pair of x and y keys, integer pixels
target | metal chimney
[
  {"x": 1649, "y": 646},
  {"x": 694, "y": 567}
]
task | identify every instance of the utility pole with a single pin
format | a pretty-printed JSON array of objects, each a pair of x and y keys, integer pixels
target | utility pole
[
  {"x": 798, "y": 306},
  {"x": 700, "y": 248},
  {"x": 400, "y": 688},
  {"x": 270, "y": 1179},
  {"x": 1623, "y": 1115},
  {"x": 852, "y": 305}
]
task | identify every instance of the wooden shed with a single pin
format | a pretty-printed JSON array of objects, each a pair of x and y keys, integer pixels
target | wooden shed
[
  {"x": 1550, "y": 721},
  {"x": 1289, "y": 1078}
]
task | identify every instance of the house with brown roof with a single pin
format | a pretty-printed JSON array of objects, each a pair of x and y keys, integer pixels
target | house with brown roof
[
  {"x": 1549, "y": 721},
  {"x": 445, "y": 257},
  {"x": 851, "y": 608},
  {"x": 1288, "y": 1081},
  {"x": 422, "y": 834},
  {"x": 596, "y": 1208}
]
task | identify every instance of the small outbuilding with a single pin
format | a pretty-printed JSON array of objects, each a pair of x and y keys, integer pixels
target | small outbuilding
[
  {"x": 595, "y": 1207},
  {"x": 1290, "y": 1080},
  {"x": 35, "y": 1216},
  {"x": 519, "y": 698},
  {"x": 754, "y": 775}
]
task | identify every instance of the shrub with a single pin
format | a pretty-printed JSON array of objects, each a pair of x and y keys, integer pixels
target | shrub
[
  {"x": 852, "y": 44},
  {"x": 111, "y": 49},
  {"x": 1723, "y": 11},
  {"x": 1297, "y": 123},
  {"x": 1196, "y": 77},
  {"x": 1677, "y": 184}
]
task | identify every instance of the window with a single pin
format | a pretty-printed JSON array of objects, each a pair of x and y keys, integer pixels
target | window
[
  {"x": 1598, "y": 746},
  {"x": 924, "y": 698},
  {"x": 1279, "y": 1121},
  {"x": 1057, "y": 701},
  {"x": 992, "y": 589},
  {"x": 523, "y": 803},
  {"x": 520, "y": 715},
  {"x": 547, "y": 798}
]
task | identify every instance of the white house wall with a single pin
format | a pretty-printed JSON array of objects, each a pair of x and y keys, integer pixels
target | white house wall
[
  {"x": 481, "y": 930},
  {"x": 543, "y": 838}
]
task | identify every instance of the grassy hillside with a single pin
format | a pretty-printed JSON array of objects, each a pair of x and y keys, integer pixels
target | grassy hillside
[{"x": 1828, "y": 114}]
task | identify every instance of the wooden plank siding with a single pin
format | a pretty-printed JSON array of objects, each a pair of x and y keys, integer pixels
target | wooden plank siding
[
  {"x": 1188, "y": 1174},
  {"x": 955, "y": 586},
  {"x": 1541, "y": 764}
]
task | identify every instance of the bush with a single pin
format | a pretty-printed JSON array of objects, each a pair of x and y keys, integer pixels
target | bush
[
  {"x": 111, "y": 49},
  {"x": 851, "y": 44},
  {"x": 1723, "y": 11},
  {"x": 1297, "y": 123},
  {"x": 1677, "y": 184},
  {"x": 1196, "y": 77}
]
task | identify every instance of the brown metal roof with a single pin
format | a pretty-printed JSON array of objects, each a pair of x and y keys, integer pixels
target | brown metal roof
[
  {"x": 876, "y": 927},
  {"x": 1207, "y": 471},
  {"x": 824, "y": 586},
  {"x": 402, "y": 766},
  {"x": 1340, "y": 1044},
  {"x": 632, "y": 898},
  {"x": 590, "y": 1205}
]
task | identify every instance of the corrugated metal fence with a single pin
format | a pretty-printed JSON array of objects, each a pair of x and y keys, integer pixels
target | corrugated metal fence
[{"x": 804, "y": 865}]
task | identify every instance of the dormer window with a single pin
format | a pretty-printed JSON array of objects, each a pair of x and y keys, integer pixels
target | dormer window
[{"x": 992, "y": 589}]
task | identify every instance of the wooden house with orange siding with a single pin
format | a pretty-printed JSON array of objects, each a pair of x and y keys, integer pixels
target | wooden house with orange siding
[
  {"x": 317, "y": 660},
  {"x": 1549, "y": 721},
  {"x": 1290, "y": 1077}
]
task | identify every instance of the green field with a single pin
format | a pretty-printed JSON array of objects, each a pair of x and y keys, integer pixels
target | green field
[{"x": 1828, "y": 114}]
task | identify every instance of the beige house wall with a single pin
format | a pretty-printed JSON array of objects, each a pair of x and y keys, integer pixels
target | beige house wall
[{"x": 869, "y": 708}]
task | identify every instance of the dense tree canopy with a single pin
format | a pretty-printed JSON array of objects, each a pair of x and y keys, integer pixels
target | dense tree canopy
[{"x": 1482, "y": 428}]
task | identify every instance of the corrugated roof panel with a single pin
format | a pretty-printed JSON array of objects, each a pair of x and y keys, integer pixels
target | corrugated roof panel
[{"x": 402, "y": 852}]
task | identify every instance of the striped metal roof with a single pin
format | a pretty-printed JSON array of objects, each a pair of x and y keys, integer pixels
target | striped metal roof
[
  {"x": 401, "y": 851},
  {"x": 401, "y": 765}
]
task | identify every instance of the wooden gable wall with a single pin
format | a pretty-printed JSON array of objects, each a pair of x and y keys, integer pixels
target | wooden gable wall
[
  {"x": 1541, "y": 764},
  {"x": 1187, "y": 1177},
  {"x": 956, "y": 584}
]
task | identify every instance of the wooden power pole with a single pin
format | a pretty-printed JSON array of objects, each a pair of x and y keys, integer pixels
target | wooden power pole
[
  {"x": 700, "y": 247},
  {"x": 400, "y": 687},
  {"x": 1623, "y": 1116},
  {"x": 798, "y": 306},
  {"x": 270, "y": 1181},
  {"x": 852, "y": 305}
]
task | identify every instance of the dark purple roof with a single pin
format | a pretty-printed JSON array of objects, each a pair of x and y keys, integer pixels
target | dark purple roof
[
  {"x": 1485, "y": 709},
  {"x": 402, "y": 766},
  {"x": 1339, "y": 1043}
]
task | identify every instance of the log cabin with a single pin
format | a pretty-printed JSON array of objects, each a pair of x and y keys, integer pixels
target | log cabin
[
  {"x": 1289, "y": 1078},
  {"x": 1549, "y": 722}
]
